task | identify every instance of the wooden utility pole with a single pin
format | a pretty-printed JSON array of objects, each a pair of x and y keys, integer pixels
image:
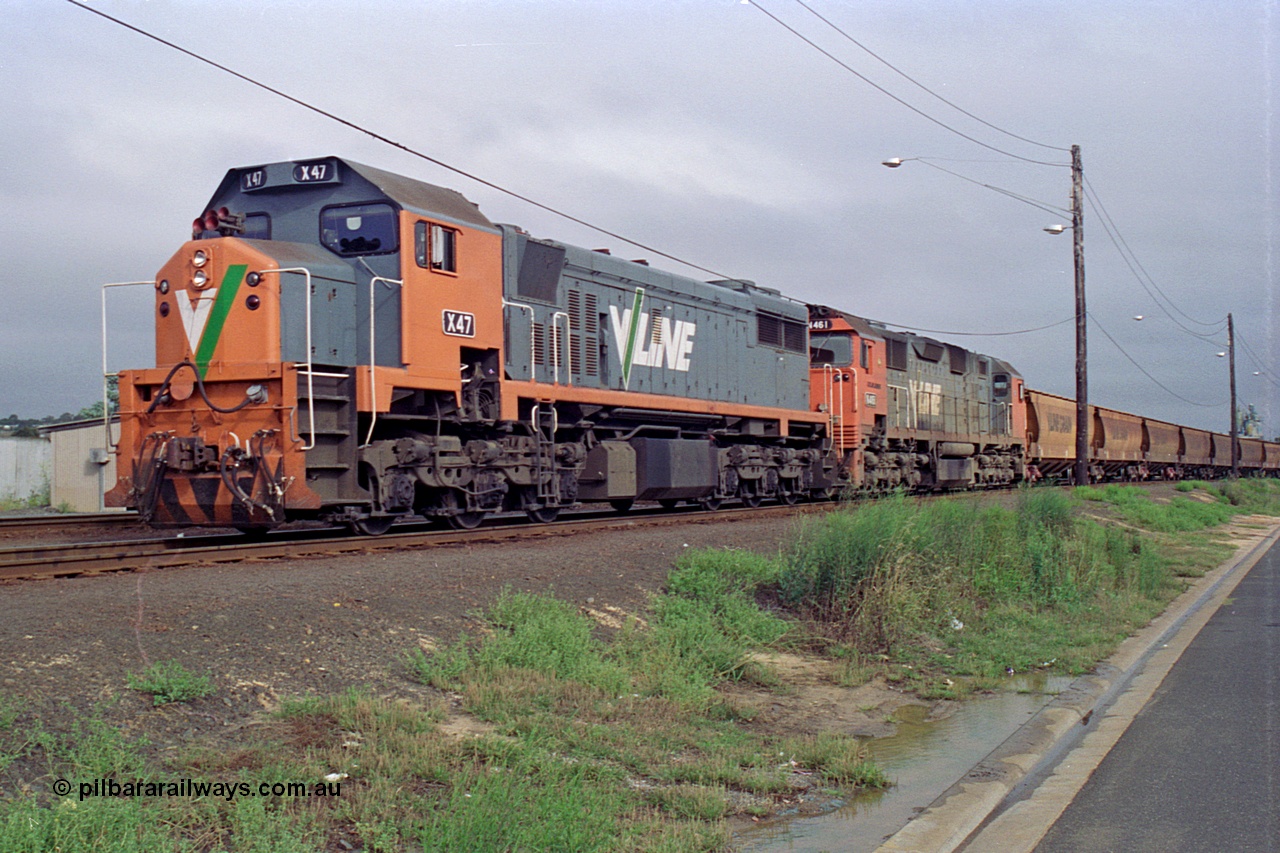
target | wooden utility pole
[
  {"x": 1235, "y": 429},
  {"x": 1082, "y": 373}
]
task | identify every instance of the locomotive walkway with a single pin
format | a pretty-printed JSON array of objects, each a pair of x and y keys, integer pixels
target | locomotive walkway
[{"x": 1173, "y": 745}]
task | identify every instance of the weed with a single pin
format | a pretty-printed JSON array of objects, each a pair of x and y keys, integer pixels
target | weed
[
  {"x": 170, "y": 681},
  {"x": 690, "y": 801}
]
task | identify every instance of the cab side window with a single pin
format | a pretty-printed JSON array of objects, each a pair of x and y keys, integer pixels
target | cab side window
[{"x": 436, "y": 247}]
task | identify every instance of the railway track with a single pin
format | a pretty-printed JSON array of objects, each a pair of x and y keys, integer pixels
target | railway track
[
  {"x": 34, "y": 525},
  {"x": 73, "y": 559}
]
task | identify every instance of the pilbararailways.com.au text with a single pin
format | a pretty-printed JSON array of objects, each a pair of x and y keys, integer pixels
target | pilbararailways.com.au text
[{"x": 193, "y": 788}]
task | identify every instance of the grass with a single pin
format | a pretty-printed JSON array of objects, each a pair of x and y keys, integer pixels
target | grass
[
  {"x": 170, "y": 681},
  {"x": 637, "y": 739},
  {"x": 921, "y": 592},
  {"x": 35, "y": 500}
]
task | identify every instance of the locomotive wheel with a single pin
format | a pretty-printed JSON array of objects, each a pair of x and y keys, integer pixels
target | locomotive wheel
[
  {"x": 710, "y": 504},
  {"x": 790, "y": 498},
  {"x": 543, "y": 515},
  {"x": 668, "y": 503},
  {"x": 466, "y": 520},
  {"x": 449, "y": 501},
  {"x": 751, "y": 500},
  {"x": 373, "y": 525},
  {"x": 623, "y": 505}
]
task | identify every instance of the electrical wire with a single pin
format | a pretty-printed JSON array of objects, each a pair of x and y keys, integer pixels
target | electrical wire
[
  {"x": 917, "y": 83},
  {"x": 882, "y": 90},
  {"x": 379, "y": 137},
  {"x": 976, "y": 334},
  {"x": 1127, "y": 252},
  {"x": 1042, "y": 205},
  {"x": 1263, "y": 371},
  {"x": 1204, "y": 336},
  {"x": 1132, "y": 361}
]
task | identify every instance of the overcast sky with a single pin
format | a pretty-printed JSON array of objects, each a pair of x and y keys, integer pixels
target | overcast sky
[{"x": 702, "y": 128}]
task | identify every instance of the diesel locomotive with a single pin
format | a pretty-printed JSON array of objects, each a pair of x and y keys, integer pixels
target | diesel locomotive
[
  {"x": 337, "y": 342},
  {"x": 343, "y": 343}
]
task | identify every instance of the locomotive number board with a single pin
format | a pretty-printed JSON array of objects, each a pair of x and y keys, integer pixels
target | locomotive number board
[
  {"x": 290, "y": 174},
  {"x": 460, "y": 324}
]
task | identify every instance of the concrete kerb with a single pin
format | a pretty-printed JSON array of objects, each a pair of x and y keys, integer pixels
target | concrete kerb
[{"x": 1021, "y": 762}]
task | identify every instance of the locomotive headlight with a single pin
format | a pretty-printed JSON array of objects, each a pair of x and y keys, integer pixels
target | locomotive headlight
[
  {"x": 199, "y": 259},
  {"x": 200, "y": 279}
]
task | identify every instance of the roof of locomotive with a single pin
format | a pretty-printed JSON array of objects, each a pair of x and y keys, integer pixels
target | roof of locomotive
[
  {"x": 410, "y": 194},
  {"x": 876, "y": 330}
]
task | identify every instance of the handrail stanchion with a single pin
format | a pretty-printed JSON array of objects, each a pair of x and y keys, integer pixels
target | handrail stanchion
[
  {"x": 555, "y": 344},
  {"x": 310, "y": 362},
  {"x": 106, "y": 376},
  {"x": 373, "y": 354}
]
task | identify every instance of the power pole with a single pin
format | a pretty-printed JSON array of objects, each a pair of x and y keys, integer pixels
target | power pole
[
  {"x": 1082, "y": 374},
  {"x": 1235, "y": 429}
]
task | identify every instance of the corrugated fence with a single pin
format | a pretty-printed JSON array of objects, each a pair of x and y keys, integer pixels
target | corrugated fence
[{"x": 24, "y": 467}]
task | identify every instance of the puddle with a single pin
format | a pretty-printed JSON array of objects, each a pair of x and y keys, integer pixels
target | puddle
[{"x": 922, "y": 758}]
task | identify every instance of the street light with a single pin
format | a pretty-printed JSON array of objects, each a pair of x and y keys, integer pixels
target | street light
[
  {"x": 1082, "y": 370},
  {"x": 1230, "y": 352}
]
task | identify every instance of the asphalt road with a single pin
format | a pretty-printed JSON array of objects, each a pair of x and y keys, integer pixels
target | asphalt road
[{"x": 1199, "y": 768}]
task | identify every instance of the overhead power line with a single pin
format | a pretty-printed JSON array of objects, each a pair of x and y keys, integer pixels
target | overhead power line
[
  {"x": 1263, "y": 371},
  {"x": 922, "y": 86},
  {"x": 1145, "y": 277},
  {"x": 1042, "y": 205},
  {"x": 1134, "y": 362},
  {"x": 374, "y": 134},
  {"x": 882, "y": 90},
  {"x": 978, "y": 334}
]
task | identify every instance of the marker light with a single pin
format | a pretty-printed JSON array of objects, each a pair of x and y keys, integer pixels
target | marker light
[
  {"x": 253, "y": 302},
  {"x": 163, "y": 286},
  {"x": 164, "y": 309},
  {"x": 253, "y": 279},
  {"x": 199, "y": 259}
]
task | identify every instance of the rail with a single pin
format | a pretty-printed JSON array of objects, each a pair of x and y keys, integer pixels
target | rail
[
  {"x": 835, "y": 421},
  {"x": 532, "y": 351},
  {"x": 72, "y": 559},
  {"x": 555, "y": 346},
  {"x": 373, "y": 352},
  {"x": 106, "y": 375},
  {"x": 310, "y": 364}
]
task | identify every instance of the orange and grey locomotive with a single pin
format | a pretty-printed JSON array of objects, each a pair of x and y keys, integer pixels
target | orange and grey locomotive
[{"x": 342, "y": 343}]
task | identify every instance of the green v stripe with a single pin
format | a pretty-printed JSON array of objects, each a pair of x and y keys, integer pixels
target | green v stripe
[
  {"x": 218, "y": 316},
  {"x": 632, "y": 329}
]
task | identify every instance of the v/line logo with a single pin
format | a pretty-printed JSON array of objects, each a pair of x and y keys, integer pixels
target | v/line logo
[
  {"x": 670, "y": 343},
  {"x": 203, "y": 315}
]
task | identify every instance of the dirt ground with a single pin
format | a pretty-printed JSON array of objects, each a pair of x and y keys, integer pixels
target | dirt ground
[{"x": 280, "y": 628}]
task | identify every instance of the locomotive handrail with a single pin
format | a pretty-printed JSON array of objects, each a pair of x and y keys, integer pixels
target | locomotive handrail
[
  {"x": 555, "y": 345},
  {"x": 532, "y": 363},
  {"x": 311, "y": 397},
  {"x": 373, "y": 354},
  {"x": 829, "y": 372},
  {"x": 897, "y": 408},
  {"x": 106, "y": 376}
]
